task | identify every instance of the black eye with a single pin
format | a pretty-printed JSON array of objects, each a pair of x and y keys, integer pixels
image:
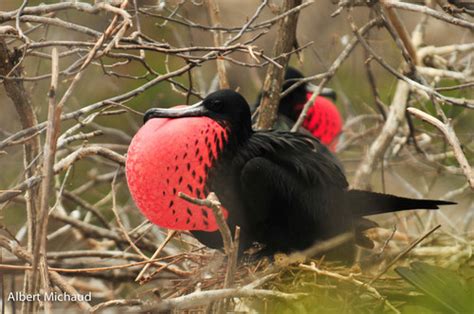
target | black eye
[{"x": 216, "y": 105}]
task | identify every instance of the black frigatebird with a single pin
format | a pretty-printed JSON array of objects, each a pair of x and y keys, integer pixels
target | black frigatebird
[
  {"x": 285, "y": 190},
  {"x": 323, "y": 119}
]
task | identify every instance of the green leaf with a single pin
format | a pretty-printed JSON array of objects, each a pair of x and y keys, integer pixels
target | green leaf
[{"x": 443, "y": 285}]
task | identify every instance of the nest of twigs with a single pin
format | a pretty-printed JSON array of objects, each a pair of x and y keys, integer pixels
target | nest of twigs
[{"x": 189, "y": 277}]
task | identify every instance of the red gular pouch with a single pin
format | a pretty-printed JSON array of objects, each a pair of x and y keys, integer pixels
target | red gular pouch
[
  {"x": 323, "y": 120},
  {"x": 168, "y": 156}
]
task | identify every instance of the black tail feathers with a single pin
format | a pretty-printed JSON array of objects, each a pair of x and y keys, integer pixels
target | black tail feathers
[{"x": 365, "y": 203}]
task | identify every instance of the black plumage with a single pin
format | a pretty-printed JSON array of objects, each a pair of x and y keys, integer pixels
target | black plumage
[{"x": 285, "y": 190}]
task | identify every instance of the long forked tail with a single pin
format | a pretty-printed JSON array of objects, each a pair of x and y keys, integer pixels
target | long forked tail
[{"x": 365, "y": 203}]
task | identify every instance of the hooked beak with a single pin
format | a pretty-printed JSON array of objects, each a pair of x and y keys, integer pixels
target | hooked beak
[
  {"x": 196, "y": 110},
  {"x": 325, "y": 92}
]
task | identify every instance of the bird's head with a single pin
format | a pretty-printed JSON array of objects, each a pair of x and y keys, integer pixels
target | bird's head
[
  {"x": 225, "y": 106},
  {"x": 292, "y": 103}
]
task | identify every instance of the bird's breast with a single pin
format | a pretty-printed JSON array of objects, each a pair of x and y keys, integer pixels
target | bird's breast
[{"x": 168, "y": 156}]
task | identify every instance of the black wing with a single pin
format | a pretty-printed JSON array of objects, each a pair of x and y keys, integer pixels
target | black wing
[
  {"x": 300, "y": 154},
  {"x": 290, "y": 184}
]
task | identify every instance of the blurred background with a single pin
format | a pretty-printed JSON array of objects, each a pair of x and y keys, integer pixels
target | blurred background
[
  {"x": 403, "y": 170},
  {"x": 328, "y": 35}
]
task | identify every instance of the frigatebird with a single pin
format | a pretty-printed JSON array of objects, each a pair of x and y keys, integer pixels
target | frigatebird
[
  {"x": 285, "y": 190},
  {"x": 323, "y": 120}
]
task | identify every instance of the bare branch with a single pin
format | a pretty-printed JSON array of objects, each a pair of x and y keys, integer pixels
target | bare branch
[
  {"x": 214, "y": 14},
  {"x": 448, "y": 132},
  {"x": 426, "y": 10},
  {"x": 285, "y": 41}
]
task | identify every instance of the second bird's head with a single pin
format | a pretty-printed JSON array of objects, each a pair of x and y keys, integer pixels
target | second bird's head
[
  {"x": 225, "y": 106},
  {"x": 297, "y": 93}
]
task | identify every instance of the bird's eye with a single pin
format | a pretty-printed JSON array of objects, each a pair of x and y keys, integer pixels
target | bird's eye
[{"x": 216, "y": 105}]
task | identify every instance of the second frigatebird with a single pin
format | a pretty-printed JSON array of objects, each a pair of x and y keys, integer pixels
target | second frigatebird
[
  {"x": 285, "y": 190},
  {"x": 323, "y": 119}
]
